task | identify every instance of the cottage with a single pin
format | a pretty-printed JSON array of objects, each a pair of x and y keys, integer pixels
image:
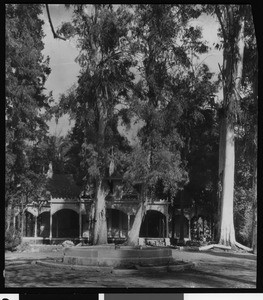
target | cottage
[{"x": 68, "y": 213}]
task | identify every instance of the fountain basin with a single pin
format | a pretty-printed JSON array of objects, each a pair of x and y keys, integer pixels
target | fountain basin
[{"x": 123, "y": 256}]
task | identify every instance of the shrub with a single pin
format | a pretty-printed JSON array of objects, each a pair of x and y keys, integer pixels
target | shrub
[
  {"x": 12, "y": 239},
  {"x": 243, "y": 215},
  {"x": 200, "y": 230}
]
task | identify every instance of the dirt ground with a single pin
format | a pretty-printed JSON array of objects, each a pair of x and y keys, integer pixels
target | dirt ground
[{"x": 214, "y": 269}]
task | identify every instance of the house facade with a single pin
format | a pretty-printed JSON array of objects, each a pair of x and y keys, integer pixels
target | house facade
[{"x": 68, "y": 215}]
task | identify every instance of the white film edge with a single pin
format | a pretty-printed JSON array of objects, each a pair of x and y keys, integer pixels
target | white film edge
[{"x": 9, "y": 296}]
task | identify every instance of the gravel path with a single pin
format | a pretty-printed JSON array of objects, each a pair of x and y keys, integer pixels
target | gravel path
[{"x": 213, "y": 270}]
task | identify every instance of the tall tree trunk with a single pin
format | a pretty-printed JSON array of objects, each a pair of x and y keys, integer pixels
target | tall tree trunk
[
  {"x": 233, "y": 33},
  {"x": 173, "y": 221},
  {"x": 100, "y": 233},
  {"x": 133, "y": 234},
  {"x": 254, "y": 207},
  {"x": 91, "y": 219},
  {"x": 222, "y": 146},
  {"x": 9, "y": 214},
  {"x": 181, "y": 239},
  {"x": 214, "y": 216},
  {"x": 254, "y": 228},
  {"x": 227, "y": 231},
  {"x": 100, "y": 226}
]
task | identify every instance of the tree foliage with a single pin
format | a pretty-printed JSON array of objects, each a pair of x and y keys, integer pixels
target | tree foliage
[
  {"x": 247, "y": 142},
  {"x": 104, "y": 80},
  {"x": 26, "y": 73},
  {"x": 169, "y": 95},
  {"x": 236, "y": 31},
  {"x": 137, "y": 65}
]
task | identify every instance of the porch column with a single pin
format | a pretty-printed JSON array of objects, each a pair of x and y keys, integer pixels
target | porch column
[
  {"x": 50, "y": 225},
  {"x": 26, "y": 216},
  {"x": 120, "y": 224},
  {"x": 189, "y": 222},
  {"x": 14, "y": 221},
  {"x": 22, "y": 223},
  {"x": 129, "y": 219},
  {"x": 80, "y": 221},
  {"x": 35, "y": 233},
  {"x": 162, "y": 228}
]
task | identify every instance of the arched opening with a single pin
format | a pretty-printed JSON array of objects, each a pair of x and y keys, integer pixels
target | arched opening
[
  {"x": 117, "y": 224},
  {"x": 29, "y": 224},
  {"x": 65, "y": 224},
  {"x": 153, "y": 225},
  {"x": 43, "y": 224},
  {"x": 177, "y": 223}
]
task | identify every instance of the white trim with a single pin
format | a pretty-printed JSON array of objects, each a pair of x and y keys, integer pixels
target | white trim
[{"x": 219, "y": 296}]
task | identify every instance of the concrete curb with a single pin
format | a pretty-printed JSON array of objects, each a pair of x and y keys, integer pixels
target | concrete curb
[
  {"x": 116, "y": 257},
  {"x": 21, "y": 264},
  {"x": 17, "y": 258},
  {"x": 125, "y": 272},
  {"x": 155, "y": 269},
  {"x": 18, "y": 262},
  {"x": 74, "y": 267},
  {"x": 27, "y": 261},
  {"x": 139, "y": 269}
]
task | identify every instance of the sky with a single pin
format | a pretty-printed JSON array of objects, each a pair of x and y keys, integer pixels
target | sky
[{"x": 64, "y": 69}]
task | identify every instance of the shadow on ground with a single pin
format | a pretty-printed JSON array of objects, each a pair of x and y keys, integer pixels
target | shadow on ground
[
  {"x": 213, "y": 270},
  {"x": 220, "y": 276},
  {"x": 233, "y": 255}
]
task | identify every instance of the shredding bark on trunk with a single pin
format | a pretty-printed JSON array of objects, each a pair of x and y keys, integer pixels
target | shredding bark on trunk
[
  {"x": 233, "y": 35},
  {"x": 100, "y": 226}
]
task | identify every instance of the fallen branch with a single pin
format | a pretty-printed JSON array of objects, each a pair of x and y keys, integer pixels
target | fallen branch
[
  {"x": 208, "y": 247},
  {"x": 243, "y": 247}
]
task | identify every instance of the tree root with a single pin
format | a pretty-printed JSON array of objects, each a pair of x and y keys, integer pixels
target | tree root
[
  {"x": 208, "y": 247},
  {"x": 243, "y": 247}
]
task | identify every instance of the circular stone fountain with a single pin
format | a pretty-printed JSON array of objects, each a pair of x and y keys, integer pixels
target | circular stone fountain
[{"x": 111, "y": 256}]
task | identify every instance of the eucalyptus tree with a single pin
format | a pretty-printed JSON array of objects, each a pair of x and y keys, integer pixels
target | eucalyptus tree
[
  {"x": 169, "y": 92},
  {"x": 165, "y": 94},
  {"x": 246, "y": 136},
  {"x": 232, "y": 19},
  {"x": 105, "y": 80}
]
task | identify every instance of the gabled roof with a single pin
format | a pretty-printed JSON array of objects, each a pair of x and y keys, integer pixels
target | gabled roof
[{"x": 63, "y": 186}]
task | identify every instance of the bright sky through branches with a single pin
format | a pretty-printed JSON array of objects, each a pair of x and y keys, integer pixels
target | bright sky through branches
[{"x": 64, "y": 69}]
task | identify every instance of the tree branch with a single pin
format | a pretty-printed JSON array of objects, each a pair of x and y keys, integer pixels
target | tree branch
[
  {"x": 219, "y": 16},
  {"x": 221, "y": 71},
  {"x": 55, "y": 35}
]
